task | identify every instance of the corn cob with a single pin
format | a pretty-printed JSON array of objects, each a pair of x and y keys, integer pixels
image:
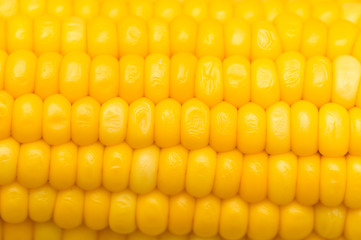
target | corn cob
[
  {"x": 154, "y": 212},
  {"x": 308, "y": 179},
  {"x": 211, "y": 37},
  {"x": 57, "y": 120},
  {"x": 48, "y": 230},
  {"x": 221, "y": 120}
]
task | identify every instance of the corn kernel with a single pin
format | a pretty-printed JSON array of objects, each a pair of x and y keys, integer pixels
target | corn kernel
[
  {"x": 131, "y": 82},
  {"x": 102, "y": 37},
  {"x": 334, "y": 130},
  {"x": 132, "y": 36},
  {"x": 152, "y": 213},
  {"x": 74, "y": 74},
  {"x": 26, "y": 118},
  {"x": 201, "y": 171},
  {"x": 47, "y": 231},
  {"x": 104, "y": 78},
  {"x": 114, "y": 9},
  {"x": 210, "y": 39},
  {"x": 172, "y": 170},
  {"x": 19, "y": 35},
  {"x": 183, "y": 35},
  {"x": 3, "y": 59},
  {"x": 41, "y": 203},
  {"x": 265, "y": 216},
  {"x": 3, "y": 32},
  {"x": 220, "y": 10},
  {"x": 346, "y": 80},
  {"x": 116, "y": 167},
  {"x": 237, "y": 39},
  {"x": 198, "y": 9},
  {"x": 113, "y": 121},
  {"x": 20, "y": 73},
  {"x": 181, "y": 212},
  {"x": 6, "y": 107},
  {"x": 34, "y": 156},
  {"x": 47, "y": 74},
  {"x": 272, "y": 8},
  {"x": 206, "y": 216},
  {"x": 56, "y": 120},
  {"x": 59, "y": 8},
  {"x": 282, "y": 178},
  {"x": 233, "y": 219},
  {"x": 47, "y": 34},
  {"x": 329, "y": 222},
  {"x": 13, "y": 203},
  {"x": 9, "y": 151},
  {"x": 79, "y": 233},
  {"x": 300, "y": 8},
  {"x": 223, "y": 130},
  {"x": 278, "y": 136},
  {"x": 182, "y": 76},
  {"x": 265, "y": 42},
  {"x": 89, "y": 169},
  {"x": 68, "y": 211},
  {"x": 228, "y": 174},
  {"x": 250, "y": 11},
  {"x": 318, "y": 81},
  {"x": 108, "y": 234},
  {"x": 327, "y": 13},
  {"x": 86, "y": 9},
  {"x": 351, "y": 12},
  {"x": 289, "y": 28},
  {"x": 122, "y": 212},
  {"x": 159, "y": 39},
  {"x": 314, "y": 38},
  {"x": 353, "y": 170},
  {"x": 140, "y": 236},
  {"x": 96, "y": 209},
  {"x": 85, "y": 121},
  {"x": 32, "y": 8},
  {"x": 141, "y": 8},
  {"x": 140, "y": 129},
  {"x": 156, "y": 85},
  {"x": 296, "y": 221},
  {"x": 63, "y": 165},
  {"x": 254, "y": 178},
  {"x": 332, "y": 181},
  {"x": 21, "y": 231},
  {"x": 291, "y": 68},
  {"x": 352, "y": 231},
  {"x": 144, "y": 169},
  {"x": 356, "y": 52},
  {"x": 8, "y": 8},
  {"x": 304, "y": 128},
  {"x": 251, "y": 129},
  {"x": 73, "y": 35},
  {"x": 167, "y": 9},
  {"x": 195, "y": 125},
  {"x": 265, "y": 85}
]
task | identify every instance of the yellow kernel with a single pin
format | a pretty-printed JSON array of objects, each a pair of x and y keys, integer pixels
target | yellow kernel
[
  {"x": 253, "y": 188},
  {"x": 20, "y": 70},
  {"x": 140, "y": 130},
  {"x": 89, "y": 169},
  {"x": 144, "y": 169},
  {"x": 102, "y": 37},
  {"x": 47, "y": 74},
  {"x": 206, "y": 216},
  {"x": 113, "y": 121},
  {"x": 63, "y": 165},
  {"x": 122, "y": 212},
  {"x": 201, "y": 171},
  {"x": 85, "y": 121}
]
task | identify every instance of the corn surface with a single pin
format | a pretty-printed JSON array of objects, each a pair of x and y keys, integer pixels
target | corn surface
[{"x": 180, "y": 120}]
